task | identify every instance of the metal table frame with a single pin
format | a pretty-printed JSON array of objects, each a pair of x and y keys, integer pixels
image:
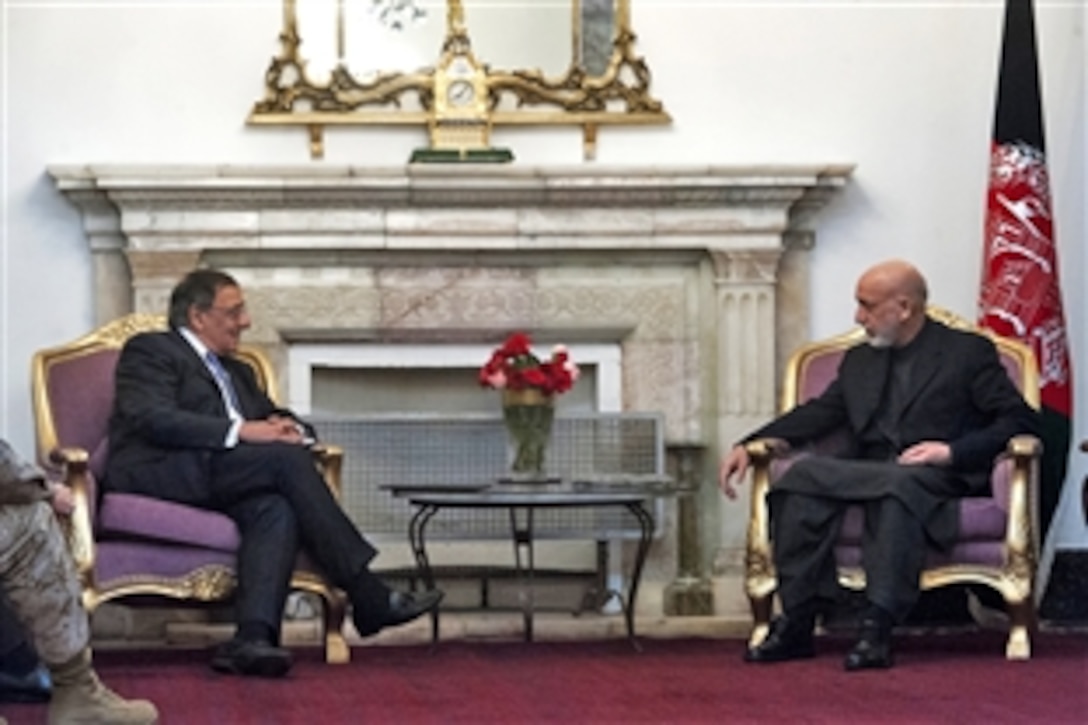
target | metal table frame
[{"x": 522, "y": 501}]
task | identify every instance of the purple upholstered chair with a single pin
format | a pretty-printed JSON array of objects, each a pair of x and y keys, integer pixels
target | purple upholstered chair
[
  {"x": 997, "y": 542},
  {"x": 126, "y": 545}
]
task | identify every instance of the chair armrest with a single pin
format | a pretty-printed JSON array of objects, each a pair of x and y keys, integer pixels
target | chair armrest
[
  {"x": 1025, "y": 445},
  {"x": 1021, "y": 535},
  {"x": 762, "y": 450},
  {"x": 759, "y": 567},
  {"x": 330, "y": 462},
  {"x": 70, "y": 458},
  {"x": 76, "y": 476}
]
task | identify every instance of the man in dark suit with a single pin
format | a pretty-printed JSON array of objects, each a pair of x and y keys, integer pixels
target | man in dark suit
[
  {"x": 928, "y": 408},
  {"x": 190, "y": 424}
]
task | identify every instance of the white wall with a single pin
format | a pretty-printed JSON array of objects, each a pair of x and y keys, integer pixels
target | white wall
[{"x": 902, "y": 88}]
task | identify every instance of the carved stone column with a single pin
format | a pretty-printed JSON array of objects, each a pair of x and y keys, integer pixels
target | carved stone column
[
  {"x": 106, "y": 239},
  {"x": 690, "y": 594},
  {"x": 154, "y": 274},
  {"x": 745, "y": 286}
]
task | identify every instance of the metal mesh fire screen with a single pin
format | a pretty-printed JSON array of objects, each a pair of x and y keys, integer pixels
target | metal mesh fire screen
[{"x": 442, "y": 450}]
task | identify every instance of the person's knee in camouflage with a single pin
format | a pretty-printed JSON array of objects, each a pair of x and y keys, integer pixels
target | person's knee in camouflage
[{"x": 39, "y": 579}]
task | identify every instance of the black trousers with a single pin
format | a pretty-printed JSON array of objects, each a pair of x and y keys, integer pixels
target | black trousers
[
  {"x": 905, "y": 510},
  {"x": 280, "y": 502}
]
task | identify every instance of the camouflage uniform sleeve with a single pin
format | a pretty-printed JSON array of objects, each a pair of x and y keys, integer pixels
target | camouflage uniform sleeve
[
  {"x": 23, "y": 492},
  {"x": 21, "y": 482}
]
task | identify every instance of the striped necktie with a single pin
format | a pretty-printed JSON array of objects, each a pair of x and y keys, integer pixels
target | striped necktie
[{"x": 225, "y": 385}]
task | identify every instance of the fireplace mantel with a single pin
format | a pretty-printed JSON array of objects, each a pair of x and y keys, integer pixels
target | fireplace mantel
[
  {"x": 720, "y": 249},
  {"x": 404, "y": 208},
  {"x": 697, "y": 274},
  {"x": 458, "y": 185}
]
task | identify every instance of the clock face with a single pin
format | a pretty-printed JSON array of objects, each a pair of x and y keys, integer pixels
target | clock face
[{"x": 460, "y": 93}]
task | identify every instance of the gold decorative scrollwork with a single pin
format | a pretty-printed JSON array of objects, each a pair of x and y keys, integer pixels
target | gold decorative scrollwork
[
  {"x": 209, "y": 583},
  {"x": 620, "y": 95},
  {"x": 577, "y": 91},
  {"x": 288, "y": 90}
]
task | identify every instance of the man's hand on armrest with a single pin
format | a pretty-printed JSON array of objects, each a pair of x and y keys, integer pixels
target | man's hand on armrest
[{"x": 734, "y": 465}]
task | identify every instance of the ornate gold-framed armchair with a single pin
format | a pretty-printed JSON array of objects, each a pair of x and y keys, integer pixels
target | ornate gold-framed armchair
[
  {"x": 131, "y": 546},
  {"x": 997, "y": 545}
]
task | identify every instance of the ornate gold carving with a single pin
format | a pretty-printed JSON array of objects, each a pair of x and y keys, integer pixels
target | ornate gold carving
[
  {"x": 578, "y": 93},
  {"x": 461, "y": 116},
  {"x": 760, "y": 576},
  {"x": 209, "y": 583},
  {"x": 949, "y": 318},
  {"x": 621, "y": 95},
  {"x": 116, "y": 333},
  {"x": 288, "y": 90}
]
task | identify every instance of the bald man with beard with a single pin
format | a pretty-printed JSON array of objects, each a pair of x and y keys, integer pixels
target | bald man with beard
[{"x": 927, "y": 409}]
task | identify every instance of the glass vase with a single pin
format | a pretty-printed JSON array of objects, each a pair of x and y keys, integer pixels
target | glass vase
[{"x": 528, "y": 415}]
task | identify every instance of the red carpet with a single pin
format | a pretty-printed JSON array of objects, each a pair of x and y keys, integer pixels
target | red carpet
[{"x": 961, "y": 678}]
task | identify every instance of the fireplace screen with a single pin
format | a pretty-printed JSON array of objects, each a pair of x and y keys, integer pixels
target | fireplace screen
[{"x": 470, "y": 450}]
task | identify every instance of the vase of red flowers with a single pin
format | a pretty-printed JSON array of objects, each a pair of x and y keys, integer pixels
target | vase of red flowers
[{"x": 529, "y": 386}]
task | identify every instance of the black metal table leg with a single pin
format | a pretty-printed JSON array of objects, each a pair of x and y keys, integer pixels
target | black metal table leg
[
  {"x": 416, "y": 528},
  {"x": 646, "y": 532},
  {"x": 523, "y": 541},
  {"x": 521, "y": 507}
]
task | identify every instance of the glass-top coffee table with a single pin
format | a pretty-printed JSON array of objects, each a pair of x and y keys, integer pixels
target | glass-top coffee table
[{"x": 522, "y": 500}]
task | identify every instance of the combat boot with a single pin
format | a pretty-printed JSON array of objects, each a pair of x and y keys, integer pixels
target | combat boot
[{"x": 80, "y": 698}]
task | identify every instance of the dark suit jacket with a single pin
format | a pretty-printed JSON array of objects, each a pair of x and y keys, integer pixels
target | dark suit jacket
[
  {"x": 169, "y": 417},
  {"x": 959, "y": 394}
]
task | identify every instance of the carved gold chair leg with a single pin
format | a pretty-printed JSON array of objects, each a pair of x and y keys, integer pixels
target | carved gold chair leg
[
  {"x": 761, "y": 618},
  {"x": 1021, "y": 620},
  {"x": 336, "y": 646}
]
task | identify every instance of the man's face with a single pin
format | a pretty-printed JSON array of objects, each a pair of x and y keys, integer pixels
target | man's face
[
  {"x": 220, "y": 326},
  {"x": 880, "y": 314}
]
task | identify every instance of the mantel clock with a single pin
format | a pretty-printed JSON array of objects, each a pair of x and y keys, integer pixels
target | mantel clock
[{"x": 460, "y": 119}]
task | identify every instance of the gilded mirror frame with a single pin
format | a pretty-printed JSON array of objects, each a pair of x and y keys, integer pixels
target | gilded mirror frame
[{"x": 618, "y": 96}]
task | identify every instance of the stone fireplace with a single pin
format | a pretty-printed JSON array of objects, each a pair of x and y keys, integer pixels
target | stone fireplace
[{"x": 686, "y": 285}]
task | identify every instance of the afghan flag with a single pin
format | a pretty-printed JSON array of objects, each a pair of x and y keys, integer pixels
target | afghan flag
[{"x": 1020, "y": 294}]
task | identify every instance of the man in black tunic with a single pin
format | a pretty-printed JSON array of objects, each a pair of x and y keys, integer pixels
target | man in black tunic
[{"x": 927, "y": 409}]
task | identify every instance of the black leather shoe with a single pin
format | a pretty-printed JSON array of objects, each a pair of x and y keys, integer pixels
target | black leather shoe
[
  {"x": 873, "y": 650},
  {"x": 249, "y": 657},
  {"x": 406, "y": 606},
  {"x": 789, "y": 639},
  {"x": 403, "y": 608},
  {"x": 34, "y": 686}
]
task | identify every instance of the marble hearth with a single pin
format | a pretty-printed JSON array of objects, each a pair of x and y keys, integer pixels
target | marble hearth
[{"x": 696, "y": 276}]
